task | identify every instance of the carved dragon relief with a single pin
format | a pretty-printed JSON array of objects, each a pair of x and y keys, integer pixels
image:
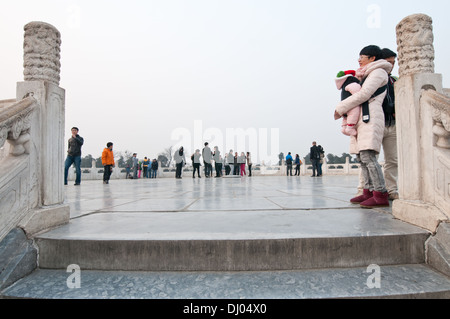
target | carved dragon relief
[
  {"x": 15, "y": 124},
  {"x": 440, "y": 105}
]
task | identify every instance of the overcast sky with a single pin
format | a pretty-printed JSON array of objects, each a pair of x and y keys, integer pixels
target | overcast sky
[{"x": 147, "y": 75}]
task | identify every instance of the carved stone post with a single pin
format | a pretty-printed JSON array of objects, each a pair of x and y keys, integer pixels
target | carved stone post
[
  {"x": 415, "y": 123},
  {"x": 415, "y": 45},
  {"x": 42, "y": 47},
  {"x": 42, "y": 44}
]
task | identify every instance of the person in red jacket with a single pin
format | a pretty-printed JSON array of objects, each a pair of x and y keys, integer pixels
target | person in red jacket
[{"x": 108, "y": 162}]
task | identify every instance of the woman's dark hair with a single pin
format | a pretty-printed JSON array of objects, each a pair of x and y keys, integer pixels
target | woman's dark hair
[
  {"x": 109, "y": 144},
  {"x": 372, "y": 50},
  {"x": 386, "y": 53}
]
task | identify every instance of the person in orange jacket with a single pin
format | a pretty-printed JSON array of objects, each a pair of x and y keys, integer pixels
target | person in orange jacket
[{"x": 108, "y": 162}]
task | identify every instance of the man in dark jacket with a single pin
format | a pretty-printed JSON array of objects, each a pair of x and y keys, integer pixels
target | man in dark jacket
[
  {"x": 74, "y": 156},
  {"x": 314, "y": 156},
  {"x": 154, "y": 169}
]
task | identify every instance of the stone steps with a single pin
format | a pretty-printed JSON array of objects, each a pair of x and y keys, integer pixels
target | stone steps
[
  {"x": 232, "y": 241},
  {"x": 257, "y": 243},
  {"x": 279, "y": 255},
  {"x": 398, "y": 281}
]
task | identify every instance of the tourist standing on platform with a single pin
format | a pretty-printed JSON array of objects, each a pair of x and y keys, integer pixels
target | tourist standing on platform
[
  {"x": 139, "y": 169},
  {"x": 297, "y": 163},
  {"x": 249, "y": 164},
  {"x": 390, "y": 132},
  {"x": 134, "y": 165},
  {"x": 322, "y": 158},
  {"x": 236, "y": 164},
  {"x": 154, "y": 168},
  {"x": 242, "y": 160},
  {"x": 146, "y": 164},
  {"x": 314, "y": 156},
  {"x": 180, "y": 161},
  {"x": 207, "y": 158},
  {"x": 366, "y": 145},
  {"x": 289, "y": 161},
  {"x": 196, "y": 163},
  {"x": 230, "y": 161},
  {"x": 226, "y": 165},
  {"x": 217, "y": 161},
  {"x": 108, "y": 162},
  {"x": 74, "y": 156}
]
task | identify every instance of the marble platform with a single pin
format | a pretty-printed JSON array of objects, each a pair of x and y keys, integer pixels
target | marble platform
[{"x": 259, "y": 237}]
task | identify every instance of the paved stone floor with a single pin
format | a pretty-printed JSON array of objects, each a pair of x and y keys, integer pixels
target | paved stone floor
[
  {"x": 212, "y": 195},
  {"x": 221, "y": 208}
]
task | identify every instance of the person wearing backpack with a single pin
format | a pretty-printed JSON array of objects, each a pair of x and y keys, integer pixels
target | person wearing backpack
[
  {"x": 373, "y": 73},
  {"x": 389, "y": 142},
  {"x": 145, "y": 165},
  {"x": 289, "y": 161}
]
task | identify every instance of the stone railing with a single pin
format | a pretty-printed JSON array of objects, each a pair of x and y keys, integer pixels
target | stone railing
[
  {"x": 96, "y": 173},
  {"x": 440, "y": 108},
  {"x": 31, "y": 163},
  {"x": 15, "y": 124},
  {"x": 17, "y": 185},
  {"x": 423, "y": 128},
  {"x": 437, "y": 184}
]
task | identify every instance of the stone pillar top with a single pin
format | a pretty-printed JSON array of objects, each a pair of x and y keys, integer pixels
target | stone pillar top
[
  {"x": 42, "y": 48},
  {"x": 415, "y": 45}
]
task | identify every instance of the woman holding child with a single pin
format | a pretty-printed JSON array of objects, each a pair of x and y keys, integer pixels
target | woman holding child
[{"x": 373, "y": 74}]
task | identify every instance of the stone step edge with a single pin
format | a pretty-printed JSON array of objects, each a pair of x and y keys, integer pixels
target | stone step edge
[
  {"x": 233, "y": 255},
  {"x": 399, "y": 281}
]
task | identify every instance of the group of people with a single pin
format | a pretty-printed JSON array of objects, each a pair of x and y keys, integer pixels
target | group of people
[
  {"x": 290, "y": 161},
  {"x": 233, "y": 163},
  {"x": 370, "y": 90},
  {"x": 316, "y": 155},
  {"x": 74, "y": 158},
  {"x": 147, "y": 168},
  {"x": 75, "y": 143}
]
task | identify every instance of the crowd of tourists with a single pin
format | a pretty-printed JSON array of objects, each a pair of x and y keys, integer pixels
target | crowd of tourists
[
  {"x": 147, "y": 168},
  {"x": 231, "y": 163}
]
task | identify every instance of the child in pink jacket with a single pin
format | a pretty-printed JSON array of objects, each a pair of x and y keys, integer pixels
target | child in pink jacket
[{"x": 347, "y": 82}]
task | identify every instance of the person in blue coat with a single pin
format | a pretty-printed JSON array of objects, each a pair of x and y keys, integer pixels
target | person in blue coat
[{"x": 289, "y": 161}]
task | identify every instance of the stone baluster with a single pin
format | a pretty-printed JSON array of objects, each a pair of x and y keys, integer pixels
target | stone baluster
[
  {"x": 417, "y": 175},
  {"x": 41, "y": 73},
  {"x": 42, "y": 48}
]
